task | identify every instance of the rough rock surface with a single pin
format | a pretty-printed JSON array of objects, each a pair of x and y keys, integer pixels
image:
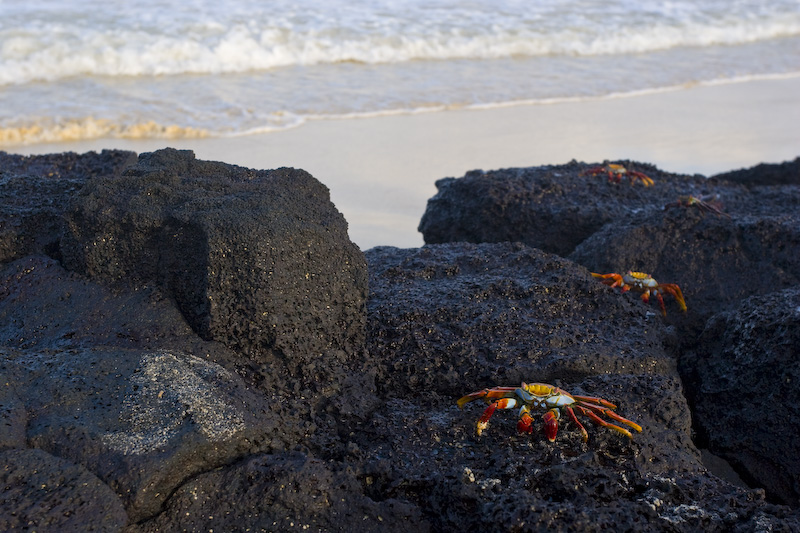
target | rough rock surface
[
  {"x": 115, "y": 393},
  {"x": 34, "y": 190},
  {"x": 42, "y": 492},
  {"x": 170, "y": 412},
  {"x": 258, "y": 260},
  {"x": 554, "y": 208},
  {"x": 743, "y": 371},
  {"x": 718, "y": 259},
  {"x": 703, "y": 254}
]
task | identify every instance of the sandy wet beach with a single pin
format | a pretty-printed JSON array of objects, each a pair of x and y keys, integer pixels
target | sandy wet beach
[{"x": 381, "y": 170}]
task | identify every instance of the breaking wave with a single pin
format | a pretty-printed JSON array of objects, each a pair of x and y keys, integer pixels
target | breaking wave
[{"x": 43, "y": 46}]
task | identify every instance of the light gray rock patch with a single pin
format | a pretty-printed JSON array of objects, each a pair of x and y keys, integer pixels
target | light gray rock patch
[{"x": 164, "y": 393}]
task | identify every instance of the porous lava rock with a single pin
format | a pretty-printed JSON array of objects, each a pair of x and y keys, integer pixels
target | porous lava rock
[
  {"x": 744, "y": 242},
  {"x": 282, "y": 492},
  {"x": 743, "y": 379},
  {"x": 34, "y": 191},
  {"x": 716, "y": 260},
  {"x": 786, "y": 173},
  {"x": 191, "y": 415},
  {"x": 552, "y": 207},
  {"x": 42, "y": 492},
  {"x": 501, "y": 314},
  {"x": 142, "y": 422},
  {"x": 257, "y": 260},
  {"x": 119, "y": 383}
]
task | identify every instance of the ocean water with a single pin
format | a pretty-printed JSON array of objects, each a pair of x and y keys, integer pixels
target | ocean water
[{"x": 84, "y": 69}]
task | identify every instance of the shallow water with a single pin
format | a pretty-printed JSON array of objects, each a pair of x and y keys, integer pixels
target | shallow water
[{"x": 85, "y": 69}]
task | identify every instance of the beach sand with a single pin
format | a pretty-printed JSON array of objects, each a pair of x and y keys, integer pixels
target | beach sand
[{"x": 381, "y": 170}]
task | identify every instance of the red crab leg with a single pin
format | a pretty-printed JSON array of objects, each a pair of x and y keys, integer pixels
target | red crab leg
[
  {"x": 497, "y": 392},
  {"x": 661, "y": 303},
  {"x": 609, "y": 413},
  {"x": 574, "y": 418},
  {"x": 675, "y": 291},
  {"x": 600, "y": 422},
  {"x": 503, "y": 403},
  {"x": 607, "y": 279},
  {"x": 593, "y": 400},
  {"x": 592, "y": 410},
  {"x": 646, "y": 180}
]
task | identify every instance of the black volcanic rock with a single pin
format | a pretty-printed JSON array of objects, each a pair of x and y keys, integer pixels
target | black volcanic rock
[
  {"x": 258, "y": 260},
  {"x": 282, "y": 492},
  {"x": 743, "y": 379},
  {"x": 786, "y": 173},
  {"x": 209, "y": 357},
  {"x": 142, "y": 422},
  {"x": 716, "y": 260},
  {"x": 42, "y": 492},
  {"x": 500, "y": 314},
  {"x": 552, "y": 207},
  {"x": 35, "y": 190}
]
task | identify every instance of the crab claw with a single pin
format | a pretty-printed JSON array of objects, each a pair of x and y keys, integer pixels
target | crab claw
[
  {"x": 525, "y": 423},
  {"x": 551, "y": 424}
]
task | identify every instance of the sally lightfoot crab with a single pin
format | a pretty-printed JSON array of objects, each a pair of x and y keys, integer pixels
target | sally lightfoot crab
[
  {"x": 643, "y": 283},
  {"x": 705, "y": 204},
  {"x": 617, "y": 172},
  {"x": 552, "y": 400}
]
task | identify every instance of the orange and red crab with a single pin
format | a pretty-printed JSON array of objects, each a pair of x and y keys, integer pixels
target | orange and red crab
[
  {"x": 552, "y": 400},
  {"x": 705, "y": 204},
  {"x": 617, "y": 172},
  {"x": 643, "y": 283}
]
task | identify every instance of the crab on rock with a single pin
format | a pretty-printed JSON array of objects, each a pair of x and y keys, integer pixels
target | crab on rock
[
  {"x": 643, "y": 283},
  {"x": 705, "y": 205},
  {"x": 553, "y": 401},
  {"x": 616, "y": 172}
]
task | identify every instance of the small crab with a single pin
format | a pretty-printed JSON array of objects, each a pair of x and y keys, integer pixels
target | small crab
[
  {"x": 616, "y": 172},
  {"x": 553, "y": 401},
  {"x": 643, "y": 283},
  {"x": 705, "y": 204}
]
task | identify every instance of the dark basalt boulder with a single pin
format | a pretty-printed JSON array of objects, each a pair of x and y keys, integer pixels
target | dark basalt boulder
[
  {"x": 405, "y": 457},
  {"x": 257, "y": 260},
  {"x": 142, "y": 422},
  {"x": 786, "y": 173},
  {"x": 34, "y": 191},
  {"x": 717, "y": 261},
  {"x": 743, "y": 379},
  {"x": 282, "y": 492},
  {"x": 42, "y": 492},
  {"x": 552, "y": 207},
  {"x": 445, "y": 320},
  {"x": 500, "y": 314},
  {"x": 210, "y": 358}
]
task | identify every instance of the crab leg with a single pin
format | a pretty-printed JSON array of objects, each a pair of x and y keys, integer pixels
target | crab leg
[
  {"x": 646, "y": 180},
  {"x": 600, "y": 422},
  {"x": 595, "y": 400},
  {"x": 497, "y": 392},
  {"x": 675, "y": 291},
  {"x": 607, "y": 279},
  {"x": 503, "y": 403},
  {"x": 661, "y": 303},
  {"x": 592, "y": 412},
  {"x": 574, "y": 418},
  {"x": 550, "y": 419}
]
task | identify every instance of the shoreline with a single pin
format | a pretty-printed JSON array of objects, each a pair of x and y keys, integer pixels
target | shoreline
[{"x": 381, "y": 170}]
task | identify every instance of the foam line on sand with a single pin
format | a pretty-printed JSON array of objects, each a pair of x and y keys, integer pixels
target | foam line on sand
[{"x": 381, "y": 170}]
